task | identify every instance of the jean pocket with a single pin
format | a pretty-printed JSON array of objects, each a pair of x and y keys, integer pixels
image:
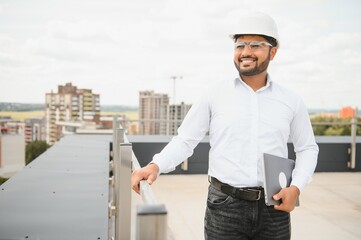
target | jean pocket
[{"x": 217, "y": 199}]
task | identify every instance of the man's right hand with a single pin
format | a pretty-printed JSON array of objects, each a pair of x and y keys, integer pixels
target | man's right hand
[{"x": 149, "y": 173}]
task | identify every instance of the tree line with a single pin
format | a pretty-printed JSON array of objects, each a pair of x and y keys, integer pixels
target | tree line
[{"x": 331, "y": 126}]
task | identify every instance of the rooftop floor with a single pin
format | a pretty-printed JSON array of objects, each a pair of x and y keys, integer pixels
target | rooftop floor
[{"x": 330, "y": 206}]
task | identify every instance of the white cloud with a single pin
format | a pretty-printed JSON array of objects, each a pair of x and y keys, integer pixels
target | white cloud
[
  {"x": 81, "y": 30},
  {"x": 120, "y": 47}
]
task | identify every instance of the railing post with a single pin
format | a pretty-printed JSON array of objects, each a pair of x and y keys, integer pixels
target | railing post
[
  {"x": 115, "y": 118},
  {"x": 353, "y": 141},
  {"x": 123, "y": 193},
  {"x": 119, "y": 139},
  {"x": 114, "y": 190},
  {"x": 151, "y": 222},
  {"x": 184, "y": 165}
]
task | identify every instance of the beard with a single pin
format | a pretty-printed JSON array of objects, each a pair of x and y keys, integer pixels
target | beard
[{"x": 259, "y": 68}]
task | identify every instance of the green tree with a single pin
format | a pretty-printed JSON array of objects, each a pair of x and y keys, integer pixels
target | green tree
[
  {"x": 35, "y": 149},
  {"x": 334, "y": 131},
  {"x": 332, "y": 126},
  {"x": 2, "y": 180}
]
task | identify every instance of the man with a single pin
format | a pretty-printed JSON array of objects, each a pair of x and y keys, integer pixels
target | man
[{"x": 245, "y": 118}]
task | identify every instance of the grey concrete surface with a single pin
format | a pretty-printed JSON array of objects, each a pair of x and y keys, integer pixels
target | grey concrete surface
[
  {"x": 330, "y": 206},
  {"x": 63, "y": 194}
]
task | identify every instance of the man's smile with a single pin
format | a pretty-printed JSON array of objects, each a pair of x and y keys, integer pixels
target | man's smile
[{"x": 248, "y": 60}]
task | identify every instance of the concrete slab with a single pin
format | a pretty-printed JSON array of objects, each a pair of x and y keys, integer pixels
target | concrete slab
[
  {"x": 63, "y": 194},
  {"x": 330, "y": 206}
]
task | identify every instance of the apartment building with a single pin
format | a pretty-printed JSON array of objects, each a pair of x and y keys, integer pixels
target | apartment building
[
  {"x": 175, "y": 116},
  {"x": 152, "y": 112},
  {"x": 69, "y": 104},
  {"x": 157, "y": 116},
  {"x": 34, "y": 130},
  {"x": 348, "y": 112}
]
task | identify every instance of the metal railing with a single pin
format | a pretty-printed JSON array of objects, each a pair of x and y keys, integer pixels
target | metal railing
[
  {"x": 352, "y": 149},
  {"x": 151, "y": 217},
  {"x": 352, "y": 163},
  {"x": 163, "y": 127}
]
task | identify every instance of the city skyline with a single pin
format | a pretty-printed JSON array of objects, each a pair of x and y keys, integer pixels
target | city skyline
[{"x": 119, "y": 48}]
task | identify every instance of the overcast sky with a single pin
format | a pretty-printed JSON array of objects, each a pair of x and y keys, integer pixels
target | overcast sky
[{"x": 118, "y": 48}]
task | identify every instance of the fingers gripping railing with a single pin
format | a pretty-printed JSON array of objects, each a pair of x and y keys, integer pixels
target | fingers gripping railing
[{"x": 151, "y": 217}]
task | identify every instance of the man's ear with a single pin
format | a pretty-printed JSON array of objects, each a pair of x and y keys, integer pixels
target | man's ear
[{"x": 273, "y": 52}]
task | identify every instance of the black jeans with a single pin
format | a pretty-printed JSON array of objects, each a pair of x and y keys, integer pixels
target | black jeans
[{"x": 230, "y": 218}]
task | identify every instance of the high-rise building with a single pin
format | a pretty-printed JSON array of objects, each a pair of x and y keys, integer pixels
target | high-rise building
[
  {"x": 157, "y": 116},
  {"x": 69, "y": 104},
  {"x": 152, "y": 112},
  {"x": 175, "y": 116}
]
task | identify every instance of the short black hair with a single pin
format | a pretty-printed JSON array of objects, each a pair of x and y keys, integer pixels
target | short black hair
[{"x": 269, "y": 39}]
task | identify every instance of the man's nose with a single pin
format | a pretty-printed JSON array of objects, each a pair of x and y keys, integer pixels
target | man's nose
[{"x": 246, "y": 51}]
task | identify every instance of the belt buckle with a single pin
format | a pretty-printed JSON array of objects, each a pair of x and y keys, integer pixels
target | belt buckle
[{"x": 258, "y": 191}]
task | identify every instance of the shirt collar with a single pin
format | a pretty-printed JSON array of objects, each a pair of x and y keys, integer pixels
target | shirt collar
[{"x": 238, "y": 80}]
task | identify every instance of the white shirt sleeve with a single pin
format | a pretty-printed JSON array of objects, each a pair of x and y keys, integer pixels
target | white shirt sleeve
[
  {"x": 193, "y": 129},
  {"x": 305, "y": 147}
]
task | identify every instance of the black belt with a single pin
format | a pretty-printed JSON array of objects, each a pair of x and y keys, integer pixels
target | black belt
[{"x": 250, "y": 194}]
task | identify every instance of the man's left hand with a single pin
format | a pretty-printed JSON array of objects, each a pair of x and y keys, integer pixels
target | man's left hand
[{"x": 288, "y": 197}]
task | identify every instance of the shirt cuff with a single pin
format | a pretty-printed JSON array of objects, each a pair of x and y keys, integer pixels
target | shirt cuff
[
  {"x": 163, "y": 165},
  {"x": 300, "y": 183}
]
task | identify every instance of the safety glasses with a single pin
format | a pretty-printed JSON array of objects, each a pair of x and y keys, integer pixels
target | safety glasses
[{"x": 253, "y": 46}]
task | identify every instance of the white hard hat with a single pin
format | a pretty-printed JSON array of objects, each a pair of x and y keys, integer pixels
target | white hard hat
[{"x": 257, "y": 23}]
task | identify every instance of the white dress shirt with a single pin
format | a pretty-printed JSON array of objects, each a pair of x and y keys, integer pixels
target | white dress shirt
[{"x": 242, "y": 125}]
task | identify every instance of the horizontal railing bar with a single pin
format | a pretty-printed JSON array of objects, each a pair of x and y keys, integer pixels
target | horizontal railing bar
[
  {"x": 181, "y": 120},
  {"x": 147, "y": 193},
  {"x": 334, "y": 123},
  {"x": 135, "y": 162}
]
